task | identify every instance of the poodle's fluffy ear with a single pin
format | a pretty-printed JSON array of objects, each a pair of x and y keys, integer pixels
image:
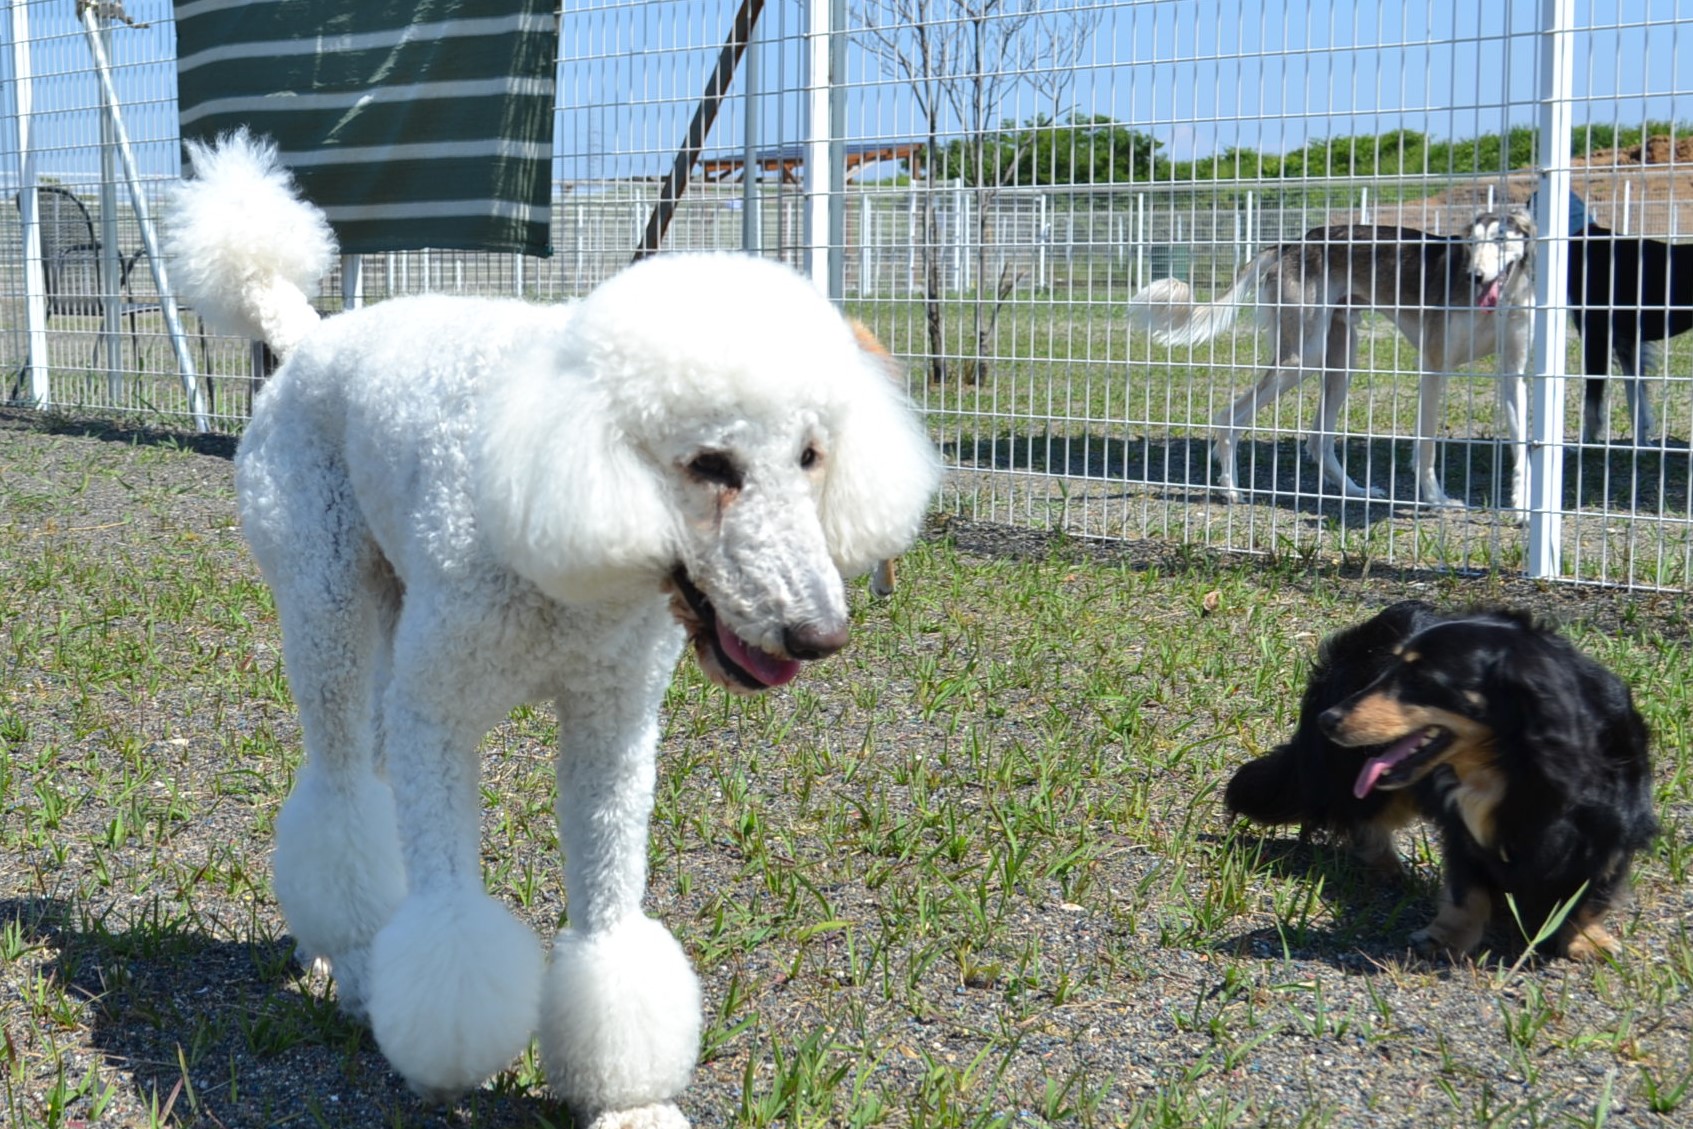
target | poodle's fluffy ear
[
  {"x": 882, "y": 470},
  {"x": 564, "y": 499}
]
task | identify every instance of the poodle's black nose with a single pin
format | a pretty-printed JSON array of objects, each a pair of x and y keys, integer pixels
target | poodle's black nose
[{"x": 813, "y": 641}]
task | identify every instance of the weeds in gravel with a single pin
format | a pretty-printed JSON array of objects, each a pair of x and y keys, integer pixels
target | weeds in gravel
[{"x": 971, "y": 872}]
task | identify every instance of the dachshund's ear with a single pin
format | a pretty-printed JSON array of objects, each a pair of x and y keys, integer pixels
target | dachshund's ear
[
  {"x": 564, "y": 500},
  {"x": 1547, "y": 717},
  {"x": 882, "y": 467}
]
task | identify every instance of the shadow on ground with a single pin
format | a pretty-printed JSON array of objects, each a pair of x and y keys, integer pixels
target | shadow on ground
[
  {"x": 1342, "y": 913},
  {"x": 180, "y": 1014},
  {"x": 1277, "y": 473}
]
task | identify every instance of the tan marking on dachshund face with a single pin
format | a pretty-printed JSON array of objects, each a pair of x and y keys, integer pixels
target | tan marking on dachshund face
[
  {"x": 1456, "y": 928},
  {"x": 1381, "y": 719}
]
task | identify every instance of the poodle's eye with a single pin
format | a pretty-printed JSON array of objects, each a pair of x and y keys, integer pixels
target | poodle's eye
[
  {"x": 715, "y": 467},
  {"x": 810, "y": 457}
]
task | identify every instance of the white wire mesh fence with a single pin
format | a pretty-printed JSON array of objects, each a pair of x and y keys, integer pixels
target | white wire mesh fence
[{"x": 988, "y": 183}]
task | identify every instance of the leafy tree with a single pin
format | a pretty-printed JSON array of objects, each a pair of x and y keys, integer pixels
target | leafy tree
[{"x": 1084, "y": 149}]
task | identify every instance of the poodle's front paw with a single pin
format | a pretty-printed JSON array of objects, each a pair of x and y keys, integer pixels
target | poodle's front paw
[
  {"x": 660, "y": 1115},
  {"x": 454, "y": 990},
  {"x": 620, "y": 1024}
]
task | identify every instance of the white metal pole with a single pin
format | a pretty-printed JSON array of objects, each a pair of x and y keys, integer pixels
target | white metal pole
[
  {"x": 817, "y": 142},
  {"x": 111, "y": 321},
  {"x": 1551, "y": 296},
  {"x": 751, "y": 229},
  {"x": 155, "y": 259},
  {"x": 836, "y": 270},
  {"x": 35, "y": 279},
  {"x": 866, "y": 248},
  {"x": 352, "y": 281}
]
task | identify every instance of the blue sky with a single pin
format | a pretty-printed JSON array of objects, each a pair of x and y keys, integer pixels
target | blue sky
[{"x": 1200, "y": 75}]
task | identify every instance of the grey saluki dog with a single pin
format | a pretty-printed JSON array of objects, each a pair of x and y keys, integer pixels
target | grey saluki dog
[{"x": 1457, "y": 299}]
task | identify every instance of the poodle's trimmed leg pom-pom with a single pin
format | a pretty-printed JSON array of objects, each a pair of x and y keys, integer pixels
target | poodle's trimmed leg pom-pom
[
  {"x": 337, "y": 873},
  {"x": 620, "y": 1025},
  {"x": 455, "y": 985}
]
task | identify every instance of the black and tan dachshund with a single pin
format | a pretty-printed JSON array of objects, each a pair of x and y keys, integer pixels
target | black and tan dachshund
[{"x": 1529, "y": 756}]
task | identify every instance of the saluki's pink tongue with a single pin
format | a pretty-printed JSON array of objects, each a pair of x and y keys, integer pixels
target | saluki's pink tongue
[
  {"x": 1377, "y": 766},
  {"x": 762, "y": 665},
  {"x": 1490, "y": 297}
]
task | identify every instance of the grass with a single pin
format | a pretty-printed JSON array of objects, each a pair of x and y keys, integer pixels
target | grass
[{"x": 971, "y": 872}]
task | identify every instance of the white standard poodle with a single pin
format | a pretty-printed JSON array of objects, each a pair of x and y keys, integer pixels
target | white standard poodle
[{"x": 463, "y": 505}]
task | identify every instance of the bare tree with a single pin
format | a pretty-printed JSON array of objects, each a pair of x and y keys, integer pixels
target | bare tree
[{"x": 961, "y": 60}]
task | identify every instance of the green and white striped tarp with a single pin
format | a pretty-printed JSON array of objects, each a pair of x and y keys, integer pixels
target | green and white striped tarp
[{"x": 421, "y": 124}]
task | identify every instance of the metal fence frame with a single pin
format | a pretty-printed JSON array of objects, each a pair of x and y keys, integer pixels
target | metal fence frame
[{"x": 1111, "y": 463}]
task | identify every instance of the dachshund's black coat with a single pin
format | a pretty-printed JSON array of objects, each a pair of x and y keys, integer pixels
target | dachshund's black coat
[{"x": 1528, "y": 755}]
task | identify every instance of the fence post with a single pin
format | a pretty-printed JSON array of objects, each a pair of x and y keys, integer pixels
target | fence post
[
  {"x": 111, "y": 313},
  {"x": 825, "y": 177},
  {"x": 752, "y": 232},
  {"x": 191, "y": 386},
  {"x": 35, "y": 279},
  {"x": 1551, "y": 294},
  {"x": 352, "y": 282},
  {"x": 867, "y": 260}
]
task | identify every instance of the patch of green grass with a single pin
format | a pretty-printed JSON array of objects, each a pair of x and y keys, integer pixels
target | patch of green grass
[{"x": 973, "y": 871}]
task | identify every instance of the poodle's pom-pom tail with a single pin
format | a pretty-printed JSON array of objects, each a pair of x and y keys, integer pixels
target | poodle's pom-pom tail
[
  {"x": 1266, "y": 790},
  {"x": 245, "y": 249}
]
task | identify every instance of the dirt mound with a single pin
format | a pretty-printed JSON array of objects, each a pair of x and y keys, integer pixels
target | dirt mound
[
  {"x": 1644, "y": 189},
  {"x": 1660, "y": 149}
]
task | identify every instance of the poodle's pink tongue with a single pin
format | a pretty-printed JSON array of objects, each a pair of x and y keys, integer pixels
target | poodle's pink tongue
[
  {"x": 1490, "y": 297},
  {"x": 1376, "y": 766},
  {"x": 762, "y": 665}
]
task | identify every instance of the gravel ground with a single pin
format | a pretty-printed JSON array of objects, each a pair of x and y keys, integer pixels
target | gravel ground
[{"x": 1160, "y": 984}]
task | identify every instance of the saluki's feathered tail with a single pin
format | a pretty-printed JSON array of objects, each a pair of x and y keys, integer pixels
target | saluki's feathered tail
[
  {"x": 1167, "y": 310},
  {"x": 245, "y": 250}
]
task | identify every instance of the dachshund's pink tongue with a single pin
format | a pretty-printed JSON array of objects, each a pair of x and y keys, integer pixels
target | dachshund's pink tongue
[
  {"x": 762, "y": 665},
  {"x": 1377, "y": 766},
  {"x": 1490, "y": 297}
]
